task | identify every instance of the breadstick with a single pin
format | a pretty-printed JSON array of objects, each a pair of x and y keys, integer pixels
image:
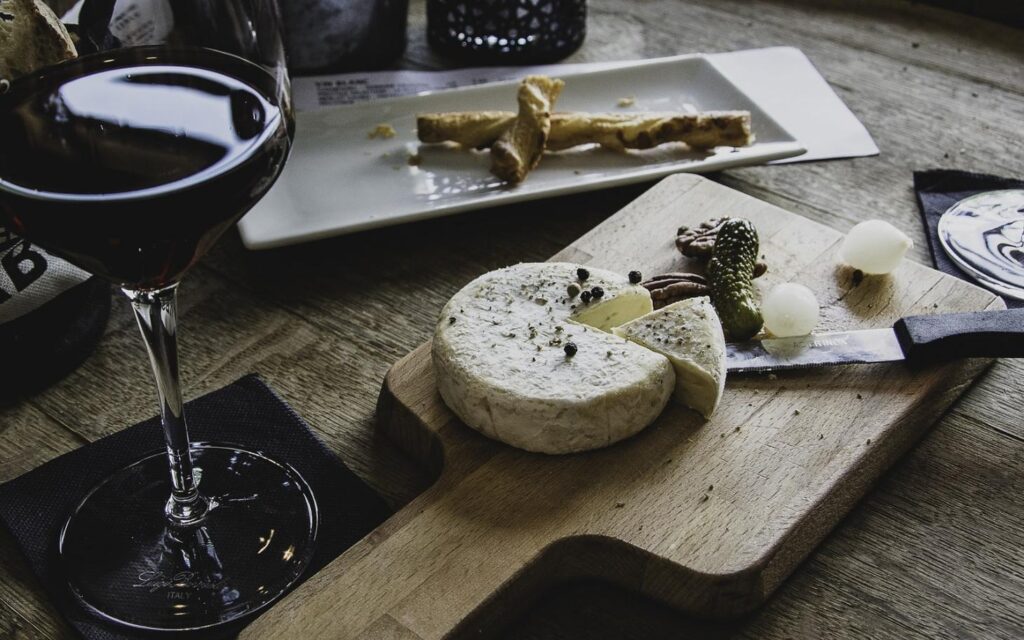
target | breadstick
[
  {"x": 472, "y": 129},
  {"x": 618, "y": 131},
  {"x": 518, "y": 150},
  {"x": 644, "y": 131}
]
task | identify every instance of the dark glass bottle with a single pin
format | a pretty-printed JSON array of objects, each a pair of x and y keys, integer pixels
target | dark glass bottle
[
  {"x": 47, "y": 328},
  {"x": 321, "y": 36},
  {"x": 506, "y": 31},
  {"x": 328, "y": 36}
]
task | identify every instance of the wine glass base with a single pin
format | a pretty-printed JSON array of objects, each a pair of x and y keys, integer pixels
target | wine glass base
[{"x": 126, "y": 563}]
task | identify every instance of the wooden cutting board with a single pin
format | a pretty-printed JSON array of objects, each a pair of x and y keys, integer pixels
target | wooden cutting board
[{"x": 707, "y": 516}]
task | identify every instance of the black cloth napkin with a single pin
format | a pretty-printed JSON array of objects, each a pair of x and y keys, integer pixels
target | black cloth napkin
[
  {"x": 938, "y": 190},
  {"x": 34, "y": 506}
]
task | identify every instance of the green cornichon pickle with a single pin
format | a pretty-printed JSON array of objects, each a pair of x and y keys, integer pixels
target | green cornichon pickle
[{"x": 730, "y": 276}]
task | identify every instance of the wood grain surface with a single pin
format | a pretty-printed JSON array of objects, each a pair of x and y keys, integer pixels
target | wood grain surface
[
  {"x": 707, "y": 516},
  {"x": 932, "y": 552}
]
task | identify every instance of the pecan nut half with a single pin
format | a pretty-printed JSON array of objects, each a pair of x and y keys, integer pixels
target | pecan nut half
[
  {"x": 673, "y": 287},
  {"x": 699, "y": 241}
]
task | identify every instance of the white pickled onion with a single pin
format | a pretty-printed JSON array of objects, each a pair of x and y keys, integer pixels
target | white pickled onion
[
  {"x": 875, "y": 247},
  {"x": 790, "y": 309}
]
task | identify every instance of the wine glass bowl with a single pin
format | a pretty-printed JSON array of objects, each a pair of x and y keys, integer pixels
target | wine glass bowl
[{"x": 132, "y": 163}]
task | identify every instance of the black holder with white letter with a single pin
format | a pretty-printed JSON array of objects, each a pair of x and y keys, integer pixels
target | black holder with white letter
[{"x": 52, "y": 314}]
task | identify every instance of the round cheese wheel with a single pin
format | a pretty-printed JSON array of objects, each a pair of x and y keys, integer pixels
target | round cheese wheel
[{"x": 521, "y": 360}]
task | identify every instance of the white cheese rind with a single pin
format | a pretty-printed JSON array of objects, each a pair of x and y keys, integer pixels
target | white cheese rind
[
  {"x": 689, "y": 334},
  {"x": 500, "y": 364}
]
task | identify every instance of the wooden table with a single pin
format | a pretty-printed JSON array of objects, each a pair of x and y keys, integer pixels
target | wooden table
[{"x": 935, "y": 549}]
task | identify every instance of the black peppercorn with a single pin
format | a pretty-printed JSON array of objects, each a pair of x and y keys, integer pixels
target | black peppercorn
[
  {"x": 570, "y": 349},
  {"x": 585, "y": 297},
  {"x": 597, "y": 293},
  {"x": 582, "y": 274},
  {"x": 635, "y": 277}
]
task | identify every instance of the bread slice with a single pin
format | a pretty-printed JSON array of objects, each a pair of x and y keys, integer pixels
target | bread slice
[{"x": 31, "y": 36}]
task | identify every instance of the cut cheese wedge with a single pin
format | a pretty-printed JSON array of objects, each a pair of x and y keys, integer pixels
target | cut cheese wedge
[
  {"x": 690, "y": 335},
  {"x": 501, "y": 363}
]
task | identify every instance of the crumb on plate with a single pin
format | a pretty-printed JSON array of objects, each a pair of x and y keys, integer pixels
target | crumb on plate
[
  {"x": 382, "y": 130},
  {"x": 628, "y": 101}
]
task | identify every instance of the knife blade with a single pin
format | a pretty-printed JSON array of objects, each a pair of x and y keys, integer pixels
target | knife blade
[{"x": 915, "y": 339}]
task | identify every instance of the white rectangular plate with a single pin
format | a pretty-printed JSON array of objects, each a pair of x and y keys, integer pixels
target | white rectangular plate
[{"x": 339, "y": 180}]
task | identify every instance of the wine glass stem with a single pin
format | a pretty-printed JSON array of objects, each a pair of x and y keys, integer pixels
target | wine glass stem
[{"x": 156, "y": 313}]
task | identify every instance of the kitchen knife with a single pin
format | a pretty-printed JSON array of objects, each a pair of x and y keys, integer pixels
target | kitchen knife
[{"x": 914, "y": 339}]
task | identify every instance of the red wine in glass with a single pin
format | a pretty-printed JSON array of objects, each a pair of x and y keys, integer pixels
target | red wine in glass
[
  {"x": 132, "y": 167},
  {"x": 130, "y": 164}
]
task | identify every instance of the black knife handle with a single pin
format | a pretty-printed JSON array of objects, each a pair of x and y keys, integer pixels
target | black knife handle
[{"x": 947, "y": 336}]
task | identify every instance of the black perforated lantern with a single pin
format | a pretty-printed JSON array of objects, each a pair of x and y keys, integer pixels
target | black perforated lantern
[{"x": 506, "y": 31}]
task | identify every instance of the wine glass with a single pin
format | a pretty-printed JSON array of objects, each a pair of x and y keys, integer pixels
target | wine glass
[{"x": 130, "y": 162}]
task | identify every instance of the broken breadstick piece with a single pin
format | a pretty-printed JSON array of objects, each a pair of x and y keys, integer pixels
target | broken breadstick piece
[
  {"x": 520, "y": 147},
  {"x": 480, "y": 129},
  {"x": 472, "y": 129}
]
